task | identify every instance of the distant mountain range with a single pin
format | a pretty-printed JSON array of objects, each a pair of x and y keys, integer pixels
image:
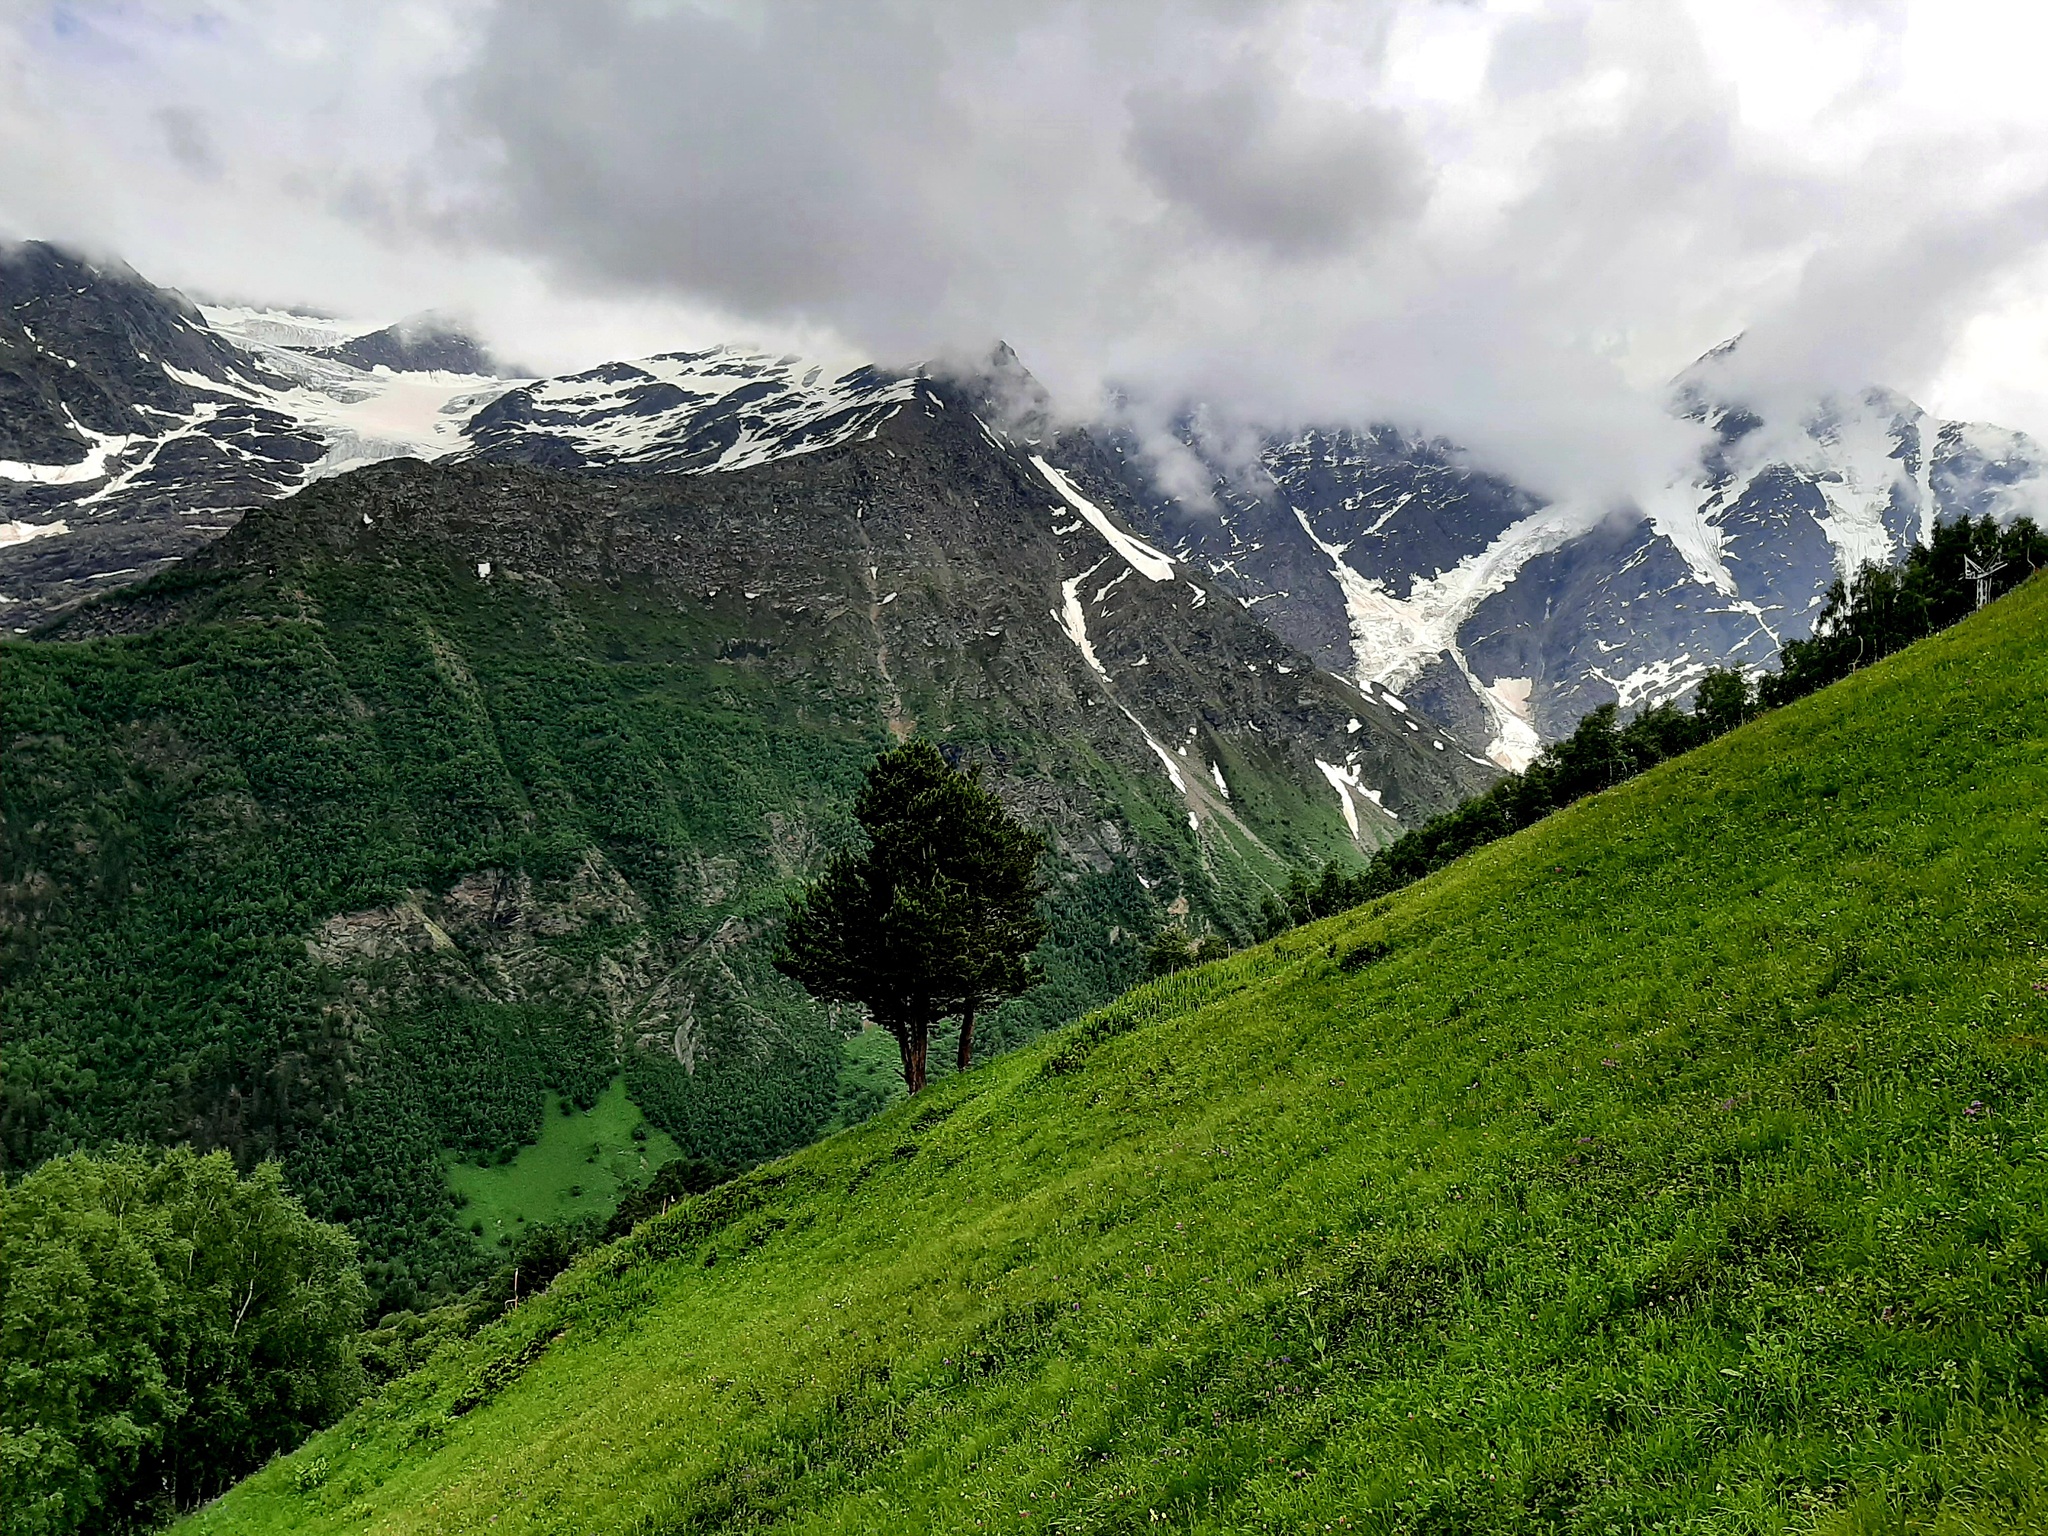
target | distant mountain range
[
  {"x": 137, "y": 427},
  {"x": 1394, "y": 562}
]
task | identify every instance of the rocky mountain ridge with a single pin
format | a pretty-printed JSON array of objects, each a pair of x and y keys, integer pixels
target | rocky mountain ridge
[
  {"x": 1392, "y": 560},
  {"x": 927, "y": 531},
  {"x": 685, "y": 412},
  {"x": 1384, "y": 556},
  {"x": 135, "y": 426}
]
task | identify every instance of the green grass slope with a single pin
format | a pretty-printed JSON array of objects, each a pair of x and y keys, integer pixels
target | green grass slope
[
  {"x": 582, "y": 1162},
  {"x": 1681, "y": 1165}
]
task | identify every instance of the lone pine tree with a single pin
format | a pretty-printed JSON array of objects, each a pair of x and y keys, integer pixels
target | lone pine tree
[{"x": 938, "y": 917}]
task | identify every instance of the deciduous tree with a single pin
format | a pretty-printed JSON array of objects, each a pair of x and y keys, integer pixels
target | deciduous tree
[{"x": 165, "y": 1325}]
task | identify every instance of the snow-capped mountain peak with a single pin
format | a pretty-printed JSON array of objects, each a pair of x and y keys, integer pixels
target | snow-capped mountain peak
[
  {"x": 1391, "y": 560},
  {"x": 135, "y": 426},
  {"x": 363, "y": 413},
  {"x": 724, "y": 408}
]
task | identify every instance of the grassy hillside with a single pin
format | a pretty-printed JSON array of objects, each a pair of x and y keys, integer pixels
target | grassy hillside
[
  {"x": 582, "y": 1162},
  {"x": 1680, "y": 1164}
]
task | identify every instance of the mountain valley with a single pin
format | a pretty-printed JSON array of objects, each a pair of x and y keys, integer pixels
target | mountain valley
[
  {"x": 486, "y": 781},
  {"x": 405, "y": 767}
]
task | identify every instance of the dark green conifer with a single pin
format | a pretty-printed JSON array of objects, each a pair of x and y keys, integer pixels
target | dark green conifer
[{"x": 937, "y": 917}]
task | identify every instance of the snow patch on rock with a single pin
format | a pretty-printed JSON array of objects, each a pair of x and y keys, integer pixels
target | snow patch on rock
[
  {"x": 1144, "y": 559},
  {"x": 21, "y": 533},
  {"x": 1352, "y": 793},
  {"x": 1074, "y": 621},
  {"x": 1393, "y": 639}
]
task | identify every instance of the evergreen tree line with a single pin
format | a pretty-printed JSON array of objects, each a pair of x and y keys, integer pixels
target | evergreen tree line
[{"x": 1883, "y": 610}]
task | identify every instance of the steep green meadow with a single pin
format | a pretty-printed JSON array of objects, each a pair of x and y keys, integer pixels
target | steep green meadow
[{"x": 1680, "y": 1164}]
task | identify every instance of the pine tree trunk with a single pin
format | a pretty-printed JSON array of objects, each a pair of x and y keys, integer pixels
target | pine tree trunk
[
  {"x": 914, "y": 1054},
  {"x": 967, "y": 1035}
]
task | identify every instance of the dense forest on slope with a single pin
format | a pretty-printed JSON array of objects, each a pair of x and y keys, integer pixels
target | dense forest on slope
[
  {"x": 1675, "y": 1163},
  {"x": 431, "y": 793},
  {"x": 251, "y": 787}
]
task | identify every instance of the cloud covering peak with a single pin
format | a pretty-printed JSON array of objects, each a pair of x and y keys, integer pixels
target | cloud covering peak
[{"x": 1508, "y": 223}]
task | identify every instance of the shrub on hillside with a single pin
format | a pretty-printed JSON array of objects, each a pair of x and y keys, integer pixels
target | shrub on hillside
[
  {"x": 1172, "y": 949},
  {"x": 677, "y": 1179}
]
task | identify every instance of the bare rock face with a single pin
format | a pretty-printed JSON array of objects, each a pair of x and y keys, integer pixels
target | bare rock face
[
  {"x": 484, "y": 903},
  {"x": 360, "y": 940},
  {"x": 1391, "y": 560},
  {"x": 487, "y": 936},
  {"x": 423, "y": 344}
]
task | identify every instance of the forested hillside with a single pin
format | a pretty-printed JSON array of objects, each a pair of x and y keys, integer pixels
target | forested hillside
[
  {"x": 327, "y": 903},
  {"x": 433, "y": 792}
]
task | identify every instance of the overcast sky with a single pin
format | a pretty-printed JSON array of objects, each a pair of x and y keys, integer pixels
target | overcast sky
[{"x": 1510, "y": 223}]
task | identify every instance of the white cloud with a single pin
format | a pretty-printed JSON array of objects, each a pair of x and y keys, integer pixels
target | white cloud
[{"x": 1506, "y": 222}]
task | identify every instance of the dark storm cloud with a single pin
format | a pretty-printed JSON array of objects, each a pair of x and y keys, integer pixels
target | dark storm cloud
[
  {"x": 1248, "y": 204},
  {"x": 774, "y": 157},
  {"x": 922, "y": 176}
]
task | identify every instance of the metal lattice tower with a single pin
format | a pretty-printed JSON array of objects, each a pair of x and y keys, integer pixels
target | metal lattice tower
[{"x": 1981, "y": 572}]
